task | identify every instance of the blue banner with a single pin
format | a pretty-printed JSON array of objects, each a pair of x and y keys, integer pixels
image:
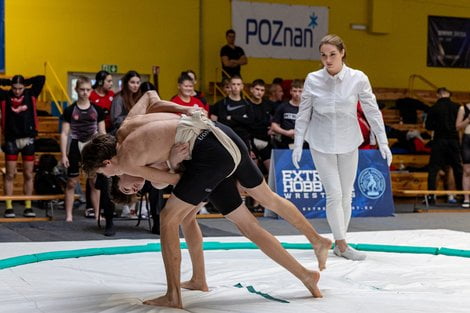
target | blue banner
[{"x": 372, "y": 194}]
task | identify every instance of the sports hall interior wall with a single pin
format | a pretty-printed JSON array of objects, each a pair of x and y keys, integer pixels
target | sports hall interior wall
[{"x": 79, "y": 36}]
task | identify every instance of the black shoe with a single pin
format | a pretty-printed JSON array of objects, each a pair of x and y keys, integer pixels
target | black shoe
[
  {"x": 29, "y": 213},
  {"x": 9, "y": 213},
  {"x": 109, "y": 231}
]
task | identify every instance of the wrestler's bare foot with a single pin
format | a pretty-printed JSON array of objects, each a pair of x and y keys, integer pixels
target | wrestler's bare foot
[
  {"x": 321, "y": 252},
  {"x": 164, "y": 301},
  {"x": 311, "y": 282},
  {"x": 195, "y": 285}
]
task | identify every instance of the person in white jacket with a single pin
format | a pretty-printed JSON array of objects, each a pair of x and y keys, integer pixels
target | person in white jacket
[{"x": 327, "y": 120}]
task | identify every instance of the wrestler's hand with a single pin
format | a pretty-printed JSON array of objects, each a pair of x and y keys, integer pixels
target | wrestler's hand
[
  {"x": 178, "y": 153},
  {"x": 385, "y": 152},
  {"x": 175, "y": 179},
  {"x": 296, "y": 156}
]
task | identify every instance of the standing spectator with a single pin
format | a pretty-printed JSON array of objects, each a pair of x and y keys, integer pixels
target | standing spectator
[
  {"x": 186, "y": 91},
  {"x": 260, "y": 128},
  {"x": 125, "y": 99},
  {"x": 283, "y": 123},
  {"x": 19, "y": 127},
  {"x": 441, "y": 119},
  {"x": 197, "y": 93},
  {"x": 102, "y": 95},
  {"x": 232, "y": 57},
  {"x": 81, "y": 120},
  {"x": 276, "y": 95},
  {"x": 235, "y": 111},
  {"x": 327, "y": 119},
  {"x": 463, "y": 123}
]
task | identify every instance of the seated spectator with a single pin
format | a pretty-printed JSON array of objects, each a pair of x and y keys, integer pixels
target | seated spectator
[
  {"x": 283, "y": 123},
  {"x": 185, "y": 92}
]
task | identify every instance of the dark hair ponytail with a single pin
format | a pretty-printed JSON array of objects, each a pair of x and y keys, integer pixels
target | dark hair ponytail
[{"x": 99, "y": 79}]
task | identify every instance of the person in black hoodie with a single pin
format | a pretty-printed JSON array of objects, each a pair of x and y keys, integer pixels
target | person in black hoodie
[
  {"x": 445, "y": 150},
  {"x": 19, "y": 128}
]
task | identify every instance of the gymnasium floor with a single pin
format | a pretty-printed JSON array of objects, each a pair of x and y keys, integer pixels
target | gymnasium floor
[{"x": 240, "y": 280}]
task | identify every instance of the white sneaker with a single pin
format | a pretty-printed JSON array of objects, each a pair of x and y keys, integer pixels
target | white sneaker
[
  {"x": 203, "y": 210},
  {"x": 350, "y": 254}
]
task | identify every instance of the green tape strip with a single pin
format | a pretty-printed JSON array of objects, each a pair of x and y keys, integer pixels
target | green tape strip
[
  {"x": 251, "y": 289},
  {"x": 212, "y": 245}
]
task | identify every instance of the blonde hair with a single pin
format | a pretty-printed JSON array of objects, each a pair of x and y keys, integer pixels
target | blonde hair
[{"x": 334, "y": 40}]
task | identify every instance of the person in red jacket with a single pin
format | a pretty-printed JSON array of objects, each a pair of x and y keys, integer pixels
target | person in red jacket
[{"x": 185, "y": 92}]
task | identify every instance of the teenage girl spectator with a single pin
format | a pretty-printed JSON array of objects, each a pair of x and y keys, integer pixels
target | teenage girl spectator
[
  {"x": 19, "y": 127},
  {"x": 283, "y": 123},
  {"x": 327, "y": 119},
  {"x": 125, "y": 99},
  {"x": 196, "y": 93},
  {"x": 81, "y": 120},
  {"x": 463, "y": 123},
  {"x": 185, "y": 92},
  {"x": 102, "y": 95}
]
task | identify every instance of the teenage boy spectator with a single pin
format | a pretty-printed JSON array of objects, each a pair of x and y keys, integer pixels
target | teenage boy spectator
[
  {"x": 283, "y": 123},
  {"x": 232, "y": 56},
  {"x": 81, "y": 120},
  {"x": 260, "y": 128},
  {"x": 235, "y": 111}
]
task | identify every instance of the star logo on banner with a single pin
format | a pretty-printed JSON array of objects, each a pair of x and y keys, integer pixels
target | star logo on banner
[{"x": 313, "y": 20}]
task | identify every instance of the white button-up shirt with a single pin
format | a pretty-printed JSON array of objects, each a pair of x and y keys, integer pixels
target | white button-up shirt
[{"x": 327, "y": 117}]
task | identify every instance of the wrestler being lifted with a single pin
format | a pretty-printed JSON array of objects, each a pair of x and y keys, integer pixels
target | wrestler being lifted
[{"x": 218, "y": 160}]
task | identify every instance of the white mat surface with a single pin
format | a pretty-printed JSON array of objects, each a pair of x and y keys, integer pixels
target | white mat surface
[{"x": 385, "y": 282}]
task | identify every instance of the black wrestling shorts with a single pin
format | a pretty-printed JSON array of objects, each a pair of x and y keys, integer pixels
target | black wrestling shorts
[{"x": 206, "y": 173}]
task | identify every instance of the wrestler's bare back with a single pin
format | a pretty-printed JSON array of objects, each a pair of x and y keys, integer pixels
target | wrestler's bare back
[{"x": 145, "y": 140}]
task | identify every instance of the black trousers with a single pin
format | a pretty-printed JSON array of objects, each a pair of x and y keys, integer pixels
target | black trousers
[{"x": 445, "y": 152}]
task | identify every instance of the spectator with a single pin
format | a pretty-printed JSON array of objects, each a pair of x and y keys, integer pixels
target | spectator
[
  {"x": 463, "y": 124},
  {"x": 408, "y": 108},
  {"x": 81, "y": 120},
  {"x": 125, "y": 99},
  {"x": 196, "y": 93},
  {"x": 19, "y": 128},
  {"x": 441, "y": 119},
  {"x": 276, "y": 95},
  {"x": 232, "y": 56},
  {"x": 186, "y": 91},
  {"x": 260, "y": 128},
  {"x": 102, "y": 95},
  {"x": 283, "y": 123},
  {"x": 235, "y": 111}
]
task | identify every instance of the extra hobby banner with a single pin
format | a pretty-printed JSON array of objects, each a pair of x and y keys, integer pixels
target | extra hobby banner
[
  {"x": 268, "y": 30},
  {"x": 448, "y": 41},
  {"x": 372, "y": 195}
]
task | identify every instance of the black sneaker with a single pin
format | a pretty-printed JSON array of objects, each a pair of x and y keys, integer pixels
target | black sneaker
[
  {"x": 29, "y": 213},
  {"x": 9, "y": 213}
]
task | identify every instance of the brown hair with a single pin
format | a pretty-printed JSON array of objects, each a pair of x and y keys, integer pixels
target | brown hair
[
  {"x": 101, "y": 147},
  {"x": 297, "y": 83},
  {"x": 129, "y": 98},
  {"x": 334, "y": 40},
  {"x": 117, "y": 196}
]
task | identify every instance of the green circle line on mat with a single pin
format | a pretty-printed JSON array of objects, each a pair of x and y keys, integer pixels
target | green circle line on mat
[{"x": 213, "y": 245}]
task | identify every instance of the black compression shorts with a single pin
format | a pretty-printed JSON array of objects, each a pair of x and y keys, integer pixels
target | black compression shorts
[
  {"x": 466, "y": 149},
  {"x": 206, "y": 173}
]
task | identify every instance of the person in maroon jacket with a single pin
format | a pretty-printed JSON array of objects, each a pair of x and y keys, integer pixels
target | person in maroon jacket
[{"x": 19, "y": 128}]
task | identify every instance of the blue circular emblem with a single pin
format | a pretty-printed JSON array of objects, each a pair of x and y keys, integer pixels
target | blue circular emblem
[{"x": 371, "y": 183}]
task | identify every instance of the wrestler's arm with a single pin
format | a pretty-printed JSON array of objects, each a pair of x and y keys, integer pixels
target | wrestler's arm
[
  {"x": 154, "y": 175},
  {"x": 170, "y": 107}
]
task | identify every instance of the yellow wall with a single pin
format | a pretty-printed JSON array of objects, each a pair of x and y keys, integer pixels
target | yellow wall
[
  {"x": 388, "y": 59},
  {"x": 79, "y": 36}
]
